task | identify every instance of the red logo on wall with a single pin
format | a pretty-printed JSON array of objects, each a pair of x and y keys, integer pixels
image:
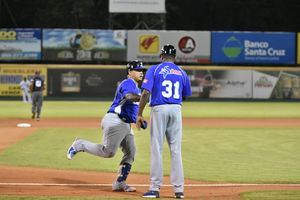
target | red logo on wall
[
  {"x": 187, "y": 44},
  {"x": 148, "y": 41}
]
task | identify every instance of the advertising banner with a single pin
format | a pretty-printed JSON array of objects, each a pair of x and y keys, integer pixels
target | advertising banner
[
  {"x": 84, "y": 82},
  {"x": 12, "y": 75},
  {"x": 137, "y": 6},
  {"x": 253, "y": 47},
  {"x": 84, "y": 45},
  {"x": 20, "y": 44},
  {"x": 263, "y": 84},
  {"x": 192, "y": 46},
  {"x": 287, "y": 86},
  {"x": 221, "y": 83}
]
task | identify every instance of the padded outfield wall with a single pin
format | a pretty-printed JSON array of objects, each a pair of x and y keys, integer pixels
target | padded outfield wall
[
  {"x": 119, "y": 46},
  {"x": 214, "y": 82}
]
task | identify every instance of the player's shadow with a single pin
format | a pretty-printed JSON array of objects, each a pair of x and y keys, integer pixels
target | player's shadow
[
  {"x": 73, "y": 183},
  {"x": 68, "y": 181}
]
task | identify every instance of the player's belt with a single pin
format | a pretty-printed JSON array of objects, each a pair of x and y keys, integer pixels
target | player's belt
[{"x": 123, "y": 119}]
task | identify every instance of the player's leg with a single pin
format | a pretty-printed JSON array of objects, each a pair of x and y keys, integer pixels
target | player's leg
[
  {"x": 28, "y": 97},
  {"x": 174, "y": 138},
  {"x": 113, "y": 130},
  {"x": 128, "y": 149},
  {"x": 39, "y": 104},
  {"x": 34, "y": 104},
  {"x": 24, "y": 96},
  {"x": 158, "y": 123}
]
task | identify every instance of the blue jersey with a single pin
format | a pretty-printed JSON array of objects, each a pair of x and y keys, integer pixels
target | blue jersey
[
  {"x": 127, "y": 110},
  {"x": 167, "y": 83}
]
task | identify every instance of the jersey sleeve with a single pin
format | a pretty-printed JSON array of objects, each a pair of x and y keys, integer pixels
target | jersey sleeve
[
  {"x": 127, "y": 87},
  {"x": 149, "y": 79},
  {"x": 187, "y": 91}
]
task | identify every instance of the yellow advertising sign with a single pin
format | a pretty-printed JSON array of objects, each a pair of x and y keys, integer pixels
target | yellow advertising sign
[
  {"x": 12, "y": 75},
  {"x": 149, "y": 44}
]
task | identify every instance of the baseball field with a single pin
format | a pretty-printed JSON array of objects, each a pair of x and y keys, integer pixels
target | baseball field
[{"x": 231, "y": 150}]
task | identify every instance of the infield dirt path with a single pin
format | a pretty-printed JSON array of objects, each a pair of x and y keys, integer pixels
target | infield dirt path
[{"x": 51, "y": 182}]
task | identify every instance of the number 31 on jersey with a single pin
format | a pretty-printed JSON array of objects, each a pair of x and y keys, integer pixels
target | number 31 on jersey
[{"x": 169, "y": 89}]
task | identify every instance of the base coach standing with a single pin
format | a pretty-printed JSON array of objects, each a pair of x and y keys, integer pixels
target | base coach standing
[{"x": 167, "y": 85}]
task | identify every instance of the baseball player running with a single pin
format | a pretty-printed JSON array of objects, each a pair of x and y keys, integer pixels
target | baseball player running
[
  {"x": 116, "y": 127},
  {"x": 168, "y": 85}
]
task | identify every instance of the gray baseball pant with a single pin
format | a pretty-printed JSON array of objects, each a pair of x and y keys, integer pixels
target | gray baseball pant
[
  {"x": 37, "y": 102},
  {"x": 166, "y": 120},
  {"x": 116, "y": 133}
]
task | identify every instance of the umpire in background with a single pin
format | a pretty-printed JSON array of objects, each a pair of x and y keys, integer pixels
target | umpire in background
[{"x": 37, "y": 86}]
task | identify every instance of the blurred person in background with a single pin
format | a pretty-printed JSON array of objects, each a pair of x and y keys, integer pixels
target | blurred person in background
[
  {"x": 36, "y": 87},
  {"x": 24, "y": 85}
]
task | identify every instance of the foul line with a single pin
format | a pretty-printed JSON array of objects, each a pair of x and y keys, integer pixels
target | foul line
[{"x": 145, "y": 185}]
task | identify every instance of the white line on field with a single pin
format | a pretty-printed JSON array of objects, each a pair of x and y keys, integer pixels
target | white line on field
[{"x": 145, "y": 185}]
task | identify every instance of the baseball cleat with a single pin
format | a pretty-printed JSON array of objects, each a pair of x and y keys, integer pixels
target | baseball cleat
[
  {"x": 151, "y": 194},
  {"x": 179, "y": 195},
  {"x": 122, "y": 187},
  {"x": 33, "y": 115},
  {"x": 71, "y": 151}
]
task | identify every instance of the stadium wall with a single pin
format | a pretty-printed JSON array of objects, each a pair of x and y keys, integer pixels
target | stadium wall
[{"x": 208, "y": 82}]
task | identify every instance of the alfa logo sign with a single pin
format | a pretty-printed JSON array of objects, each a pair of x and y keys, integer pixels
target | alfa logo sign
[{"x": 187, "y": 44}]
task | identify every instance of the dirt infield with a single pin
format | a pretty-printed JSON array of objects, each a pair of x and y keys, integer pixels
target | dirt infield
[{"x": 38, "y": 181}]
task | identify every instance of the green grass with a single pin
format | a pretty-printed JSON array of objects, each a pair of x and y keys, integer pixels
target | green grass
[
  {"x": 272, "y": 195},
  {"x": 241, "y": 109},
  {"x": 255, "y": 155},
  {"x": 240, "y": 155},
  {"x": 18, "y": 109}
]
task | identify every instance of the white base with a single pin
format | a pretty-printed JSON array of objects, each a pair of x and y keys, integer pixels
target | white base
[{"x": 23, "y": 125}]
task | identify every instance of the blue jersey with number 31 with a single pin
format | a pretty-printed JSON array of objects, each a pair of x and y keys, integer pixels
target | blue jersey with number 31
[{"x": 167, "y": 83}]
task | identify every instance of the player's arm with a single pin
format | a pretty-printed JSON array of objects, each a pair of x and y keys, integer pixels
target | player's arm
[
  {"x": 132, "y": 97},
  {"x": 187, "y": 90},
  {"x": 143, "y": 101}
]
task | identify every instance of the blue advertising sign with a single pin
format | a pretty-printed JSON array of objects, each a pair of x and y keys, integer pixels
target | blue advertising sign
[
  {"x": 20, "y": 44},
  {"x": 253, "y": 47}
]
